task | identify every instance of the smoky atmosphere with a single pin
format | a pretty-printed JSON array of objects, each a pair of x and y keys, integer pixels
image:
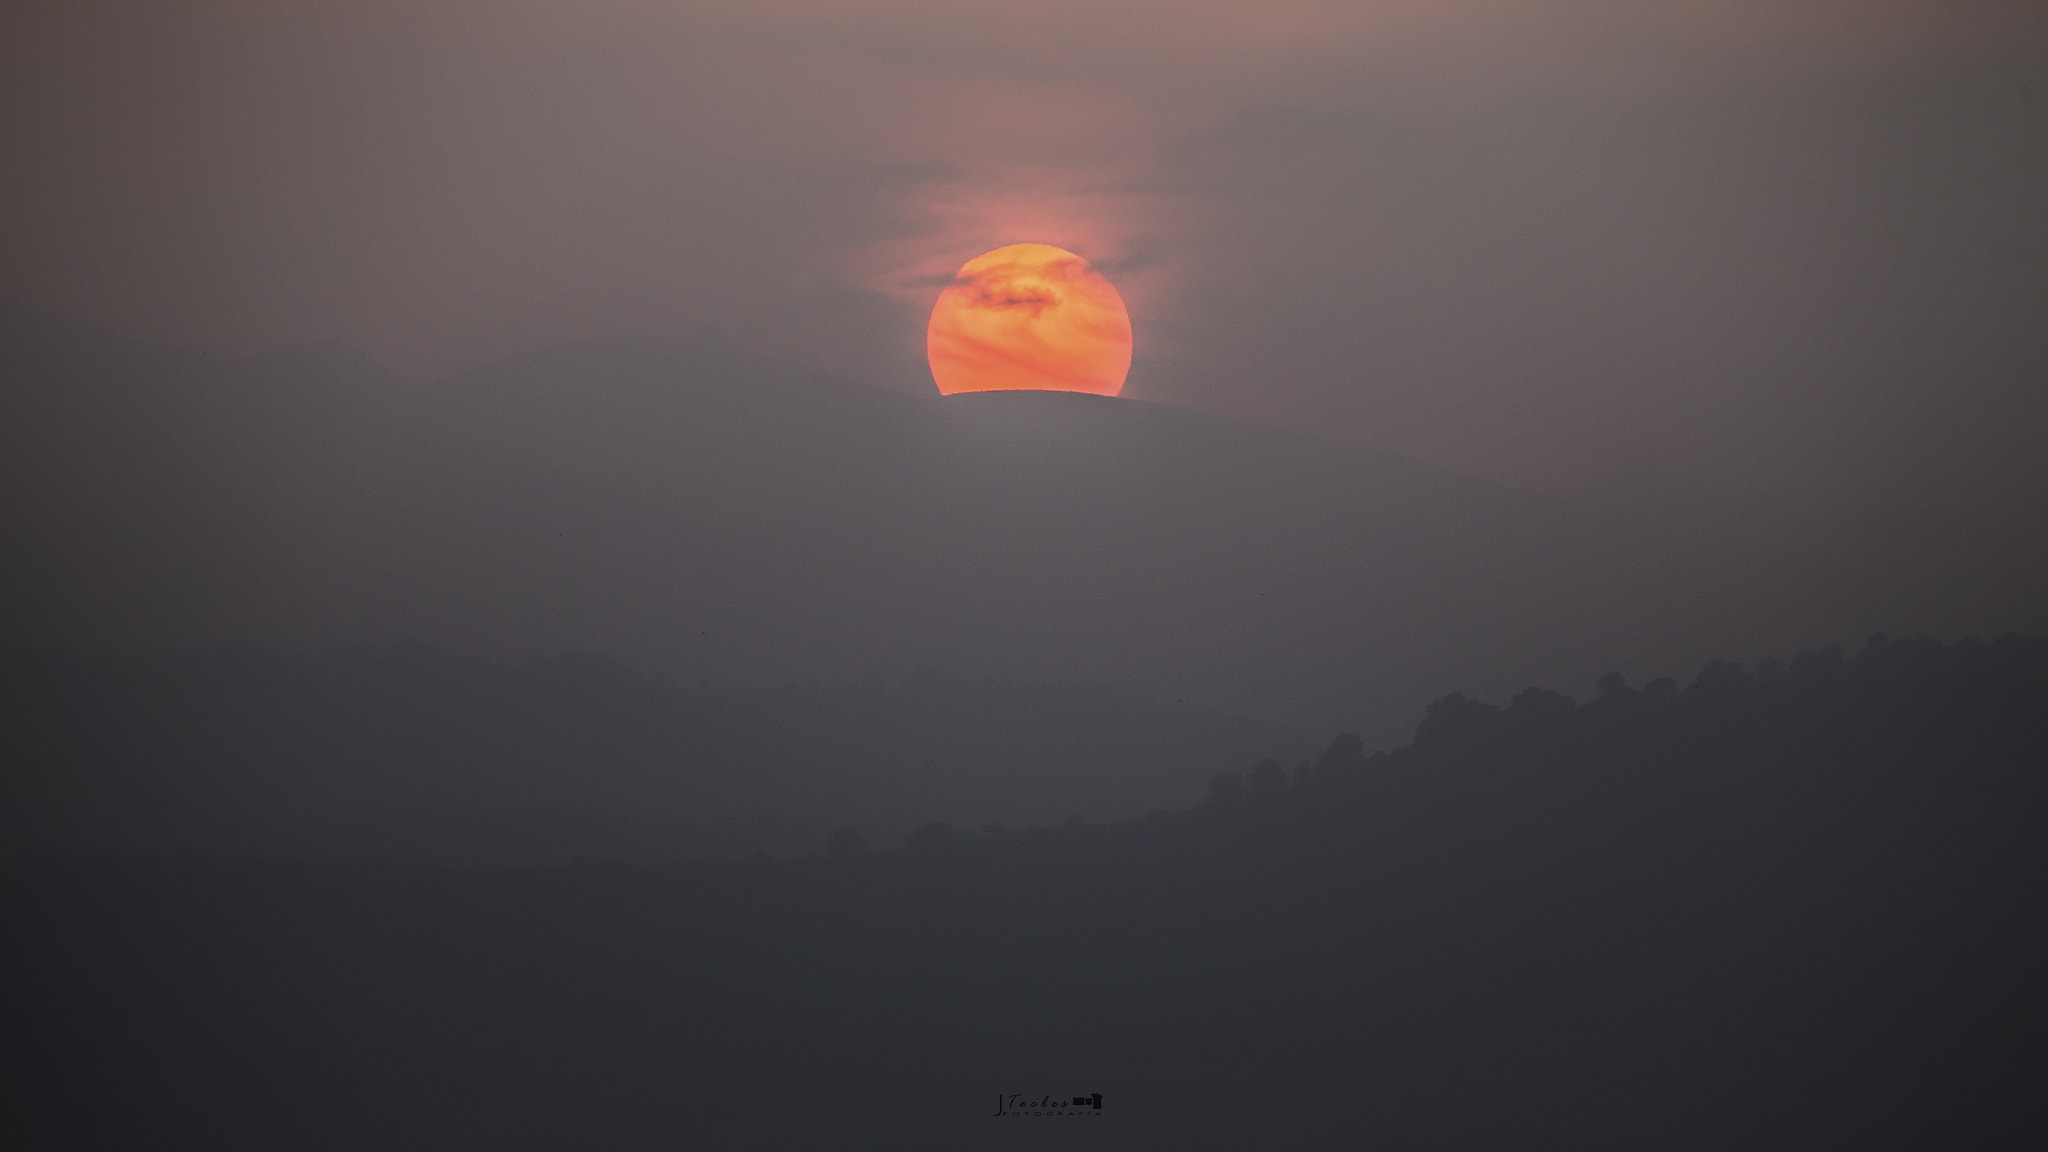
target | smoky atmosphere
[{"x": 885, "y": 574}]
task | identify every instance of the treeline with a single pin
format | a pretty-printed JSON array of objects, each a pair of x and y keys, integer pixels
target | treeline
[
  {"x": 1900, "y": 720},
  {"x": 1903, "y": 732},
  {"x": 1784, "y": 907}
]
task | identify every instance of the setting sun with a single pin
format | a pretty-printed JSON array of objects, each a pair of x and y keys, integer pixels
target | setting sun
[{"x": 1029, "y": 316}]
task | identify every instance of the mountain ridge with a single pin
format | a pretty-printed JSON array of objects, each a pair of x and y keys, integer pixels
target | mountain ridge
[{"x": 724, "y": 515}]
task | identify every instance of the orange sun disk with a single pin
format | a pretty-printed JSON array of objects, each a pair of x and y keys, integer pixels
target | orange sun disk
[{"x": 1029, "y": 316}]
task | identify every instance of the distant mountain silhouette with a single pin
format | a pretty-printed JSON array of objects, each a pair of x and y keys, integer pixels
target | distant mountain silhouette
[
  {"x": 409, "y": 753},
  {"x": 720, "y": 514}
]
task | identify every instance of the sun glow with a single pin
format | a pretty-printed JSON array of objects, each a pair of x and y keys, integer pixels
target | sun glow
[{"x": 1029, "y": 316}]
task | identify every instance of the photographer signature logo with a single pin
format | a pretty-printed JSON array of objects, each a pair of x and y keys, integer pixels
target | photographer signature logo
[{"x": 1049, "y": 1107}]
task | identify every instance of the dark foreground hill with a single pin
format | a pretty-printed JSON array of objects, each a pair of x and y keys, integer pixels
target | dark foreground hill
[
  {"x": 1782, "y": 907},
  {"x": 725, "y": 516}
]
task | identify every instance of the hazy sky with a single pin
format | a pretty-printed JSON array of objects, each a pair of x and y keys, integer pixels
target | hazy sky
[{"x": 1799, "y": 242}]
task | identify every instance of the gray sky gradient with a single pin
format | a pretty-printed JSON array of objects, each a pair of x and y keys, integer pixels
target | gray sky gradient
[{"x": 1794, "y": 245}]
